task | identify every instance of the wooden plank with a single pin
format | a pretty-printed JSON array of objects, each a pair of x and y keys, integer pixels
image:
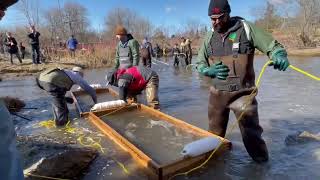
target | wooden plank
[
  {"x": 75, "y": 101},
  {"x": 113, "y": 92},
  {"x": 184, "y": 165},
  {"x": 116, "y": 110},
  {"x": 136, "y": 153}
]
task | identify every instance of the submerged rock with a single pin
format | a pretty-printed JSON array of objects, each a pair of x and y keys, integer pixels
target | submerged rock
[
  {"x": 301, "y": 138},
  {"x": 13, "y": 104},
  {"x": 50, "y": 157},
  {"x": 69, "y": 164}
]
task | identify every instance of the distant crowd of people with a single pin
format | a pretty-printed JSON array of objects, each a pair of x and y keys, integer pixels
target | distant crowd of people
[
  {"x": 183, "y": 51},
  {"x": 10, "y": 46}
]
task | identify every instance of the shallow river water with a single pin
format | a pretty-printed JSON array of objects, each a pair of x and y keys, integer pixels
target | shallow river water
[{"x": 288, "y": 102}]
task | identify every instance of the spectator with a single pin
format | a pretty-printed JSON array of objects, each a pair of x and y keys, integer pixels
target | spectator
[
  {"x": 12, "y": 45},
  {"x": 22, "y": 50},
  {"x": 35, "y": 45},
  {"x": 72, "y": 46}
]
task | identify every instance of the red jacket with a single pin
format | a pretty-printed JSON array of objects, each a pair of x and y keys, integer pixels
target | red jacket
[{"x": 138, "y": 83}]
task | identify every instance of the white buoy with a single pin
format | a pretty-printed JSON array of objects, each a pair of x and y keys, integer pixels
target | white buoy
[
  {"x": 108, "y": 105},
  {"x": 95, "y": 86},
  {"x": 200, "y": 146}
]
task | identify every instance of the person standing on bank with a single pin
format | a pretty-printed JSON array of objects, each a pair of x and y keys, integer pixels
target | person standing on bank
[
  {"x": 22, "y": 49},
  {"x": 35, "y": 45},
  {"x": 226, "y": 55},
  {"x": 12, "y": 45},
  {"x": 72, "y": 46},
  {"x": 127, "y": 51}
]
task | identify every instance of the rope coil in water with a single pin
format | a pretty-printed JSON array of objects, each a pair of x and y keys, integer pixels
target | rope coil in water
[{"x": 253, "y": 93}]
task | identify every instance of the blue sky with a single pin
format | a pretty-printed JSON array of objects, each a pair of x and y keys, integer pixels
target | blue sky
[{"x": 159, "y": 12}]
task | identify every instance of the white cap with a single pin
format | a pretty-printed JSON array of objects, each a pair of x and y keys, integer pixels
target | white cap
[{"x": 77, "y": 69}]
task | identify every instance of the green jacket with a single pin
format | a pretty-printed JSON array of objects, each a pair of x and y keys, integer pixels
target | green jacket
[
  {"x": 261, "y": 40},
  {"x": 134, "y": 49}
]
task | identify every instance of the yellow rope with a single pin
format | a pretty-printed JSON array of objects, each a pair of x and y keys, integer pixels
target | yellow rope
[
  {"x": 253, "y": 93},
  {"x": 90, "y": 142},
  {"x": 47, "y": 124},
  {"x": 44, "y": 177},
  {"x": 305, "y": 73}
]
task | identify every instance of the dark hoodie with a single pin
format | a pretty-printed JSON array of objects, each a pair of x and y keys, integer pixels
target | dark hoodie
[{"x": 221, "y": 44}]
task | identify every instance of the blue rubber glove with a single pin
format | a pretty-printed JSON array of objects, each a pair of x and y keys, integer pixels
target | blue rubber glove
[{"x": 280, "y": 61}]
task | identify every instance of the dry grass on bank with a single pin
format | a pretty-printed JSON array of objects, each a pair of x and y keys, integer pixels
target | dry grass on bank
[
  {"x": 93, "y": 58},
  {"x": 88, "y": 60}
]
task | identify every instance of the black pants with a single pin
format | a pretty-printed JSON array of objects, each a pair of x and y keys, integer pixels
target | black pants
[
  {"x": 59, "y": 104},
  {"x": 23, "y": 54},
  {"x": 176, "y": 60},
  {"x": 146, "y": 61},
  {"x": 188, "y": 58},
  {"x": 18, "y": 56},
  {"x": 35, "y": 54},
  {"x": 220, "y": 104}
]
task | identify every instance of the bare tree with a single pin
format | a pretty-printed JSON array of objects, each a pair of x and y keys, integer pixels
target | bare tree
[
  {"x": 54, "y": 23},
  {"x": 308, "y": 20},
  {"x": 30, "y": 9},
  {"x": 75, "y": 18},
  {"x": 62, "y": 22},
  {"x": 135, "y": 24},
  {"x": 267, "y": 16}
]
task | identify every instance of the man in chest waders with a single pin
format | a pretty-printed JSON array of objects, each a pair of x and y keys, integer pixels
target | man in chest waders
[
  {"x": 226, "y": 56},
  {"x": 57, "y": 82},
  {"x": 127, "y": 51}
]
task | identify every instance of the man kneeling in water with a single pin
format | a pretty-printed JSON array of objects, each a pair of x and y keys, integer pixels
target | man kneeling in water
[{"x": 133, "y": 80}]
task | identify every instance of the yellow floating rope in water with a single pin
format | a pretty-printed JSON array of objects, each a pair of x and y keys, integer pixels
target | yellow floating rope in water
[
  {"x": 89, "y": 142},
  {"x": 47, "y": 124},
  {"x": 124, "y": 169},
  {"x": 69, "y": 129},
  {"x": 51, "y": 124},
  {"x": 253, "y": 93},
  {"x": 305, "y": 73},
  {"x": 44, "y": 177}
]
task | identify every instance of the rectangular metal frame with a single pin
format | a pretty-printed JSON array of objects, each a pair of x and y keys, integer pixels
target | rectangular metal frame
[{"x": 161, "y": 171}]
